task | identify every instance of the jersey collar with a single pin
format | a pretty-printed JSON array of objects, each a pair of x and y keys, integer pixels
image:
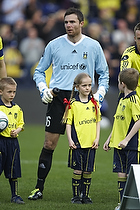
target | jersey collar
[
  {"x": 74, "y": 44},
  {"x": 130, "y": 94},
  {"x": 1, "y": 103},
  {"x": 136, "y": 50},
  {"x": 78, "y": 99}
]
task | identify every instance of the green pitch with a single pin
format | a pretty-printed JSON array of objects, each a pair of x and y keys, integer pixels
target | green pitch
[{"x": 57, "y": 193}]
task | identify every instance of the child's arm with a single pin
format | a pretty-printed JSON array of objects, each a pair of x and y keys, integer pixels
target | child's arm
[
  {"x": 96, "y": 141},
  {"x": 71, "y": 142},
  {"x": 106, "y": 147},
  {"x": 132, "y": 132},
  {"x": 14, "y": 133}
]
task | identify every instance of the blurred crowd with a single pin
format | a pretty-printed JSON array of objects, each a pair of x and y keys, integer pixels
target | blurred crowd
[{"x": 26, "y": 26}]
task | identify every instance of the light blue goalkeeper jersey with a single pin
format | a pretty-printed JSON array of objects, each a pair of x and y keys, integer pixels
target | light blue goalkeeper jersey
[{"x": 69, "y": 59}]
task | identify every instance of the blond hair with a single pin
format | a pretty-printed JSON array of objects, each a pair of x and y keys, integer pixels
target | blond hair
[
  {"x": 77, "y": 81},
  {"x": 6, "y": 81}
]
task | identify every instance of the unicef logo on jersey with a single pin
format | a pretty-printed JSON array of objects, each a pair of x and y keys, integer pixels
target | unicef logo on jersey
[
  {"x": 82, "y": 66},
  {"x": 87, "y": 121},
  {"x": 15, "y": 115},
  {"x": 74, "y": 67}
]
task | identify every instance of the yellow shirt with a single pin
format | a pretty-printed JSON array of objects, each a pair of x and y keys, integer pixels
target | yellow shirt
[
  {"x": 131, "y": 59},
  {"x": 15, "y": 118},
  {"x": 1, "y": 49},
  {"x": 13, "y": 59},
  {"x": 82, "y": 117},
  {"x": 127, "y": 113}
]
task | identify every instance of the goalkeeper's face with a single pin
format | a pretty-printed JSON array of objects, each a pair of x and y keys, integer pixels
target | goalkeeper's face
[
  {"x": 72, "y": 25},
  {"x": 137, "y": 39}
]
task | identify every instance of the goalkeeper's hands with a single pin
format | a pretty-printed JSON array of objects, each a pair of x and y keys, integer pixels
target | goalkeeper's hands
[
  {"x": 99, "y": 95},
  {"x": 45, "y": 93}
]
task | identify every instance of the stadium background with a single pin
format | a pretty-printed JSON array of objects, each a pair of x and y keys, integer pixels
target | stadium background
[
  {"x": 36, "y": 22},
  {"x": 109, "y": 22}
]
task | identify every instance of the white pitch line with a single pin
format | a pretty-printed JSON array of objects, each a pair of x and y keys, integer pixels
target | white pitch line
[{"x": 36, "y": 161}]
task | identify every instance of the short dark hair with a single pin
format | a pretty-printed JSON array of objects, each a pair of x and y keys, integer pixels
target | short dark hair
[
  {"x": 75, "y": 11},
  {"x": 130, "y": 78},
  {"x": 137, "y": 27}
]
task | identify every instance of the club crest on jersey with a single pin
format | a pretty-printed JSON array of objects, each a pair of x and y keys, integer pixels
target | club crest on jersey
[
  {"x": 123, "y": 108},
  {"x": 93, "y": 108},
  {"x": 15, "y": 115},
  {"x": 125, "y": 64},
  {"x": 125, "y": 61},
  {"x": 85, "y": 55}
]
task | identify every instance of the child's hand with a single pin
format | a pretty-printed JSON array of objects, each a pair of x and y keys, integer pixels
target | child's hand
[
  {"x": 95, "y": 144},
  {"x": 123, "y": 143},
  {"x": 106, "y": 147},
  {"x": 72, "y": 144},
  {"x": 13, "y": 133}
]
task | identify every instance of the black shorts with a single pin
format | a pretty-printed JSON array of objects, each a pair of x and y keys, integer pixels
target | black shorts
[
  {"x": 55, "y": 111},
  {"x": 10, "y": 157},
  {"x": 82, "y": 159},
  {"x": 123, "y": 159}
]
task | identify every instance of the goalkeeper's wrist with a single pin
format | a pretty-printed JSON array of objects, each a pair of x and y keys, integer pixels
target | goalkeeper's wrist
[
  {"x": 101, "y": 91},
  {"x": 99, "y": 95},
  {"x": 42, "y": 86}
]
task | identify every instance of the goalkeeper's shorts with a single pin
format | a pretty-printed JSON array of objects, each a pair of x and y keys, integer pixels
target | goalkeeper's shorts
[{"x": 55, "y": 111}]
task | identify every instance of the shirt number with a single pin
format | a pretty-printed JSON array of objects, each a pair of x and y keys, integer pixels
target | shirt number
[{"x": 48, "y": 121}]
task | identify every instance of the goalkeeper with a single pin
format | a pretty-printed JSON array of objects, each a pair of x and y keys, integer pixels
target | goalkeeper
[{"x": 69, "y": 55}]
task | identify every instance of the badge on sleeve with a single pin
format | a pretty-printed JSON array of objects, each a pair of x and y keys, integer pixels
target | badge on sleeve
[{"x": 125, "y": 57}]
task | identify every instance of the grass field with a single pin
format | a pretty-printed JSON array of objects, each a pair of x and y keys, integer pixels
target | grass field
[{"x": 57, "y": 193}]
